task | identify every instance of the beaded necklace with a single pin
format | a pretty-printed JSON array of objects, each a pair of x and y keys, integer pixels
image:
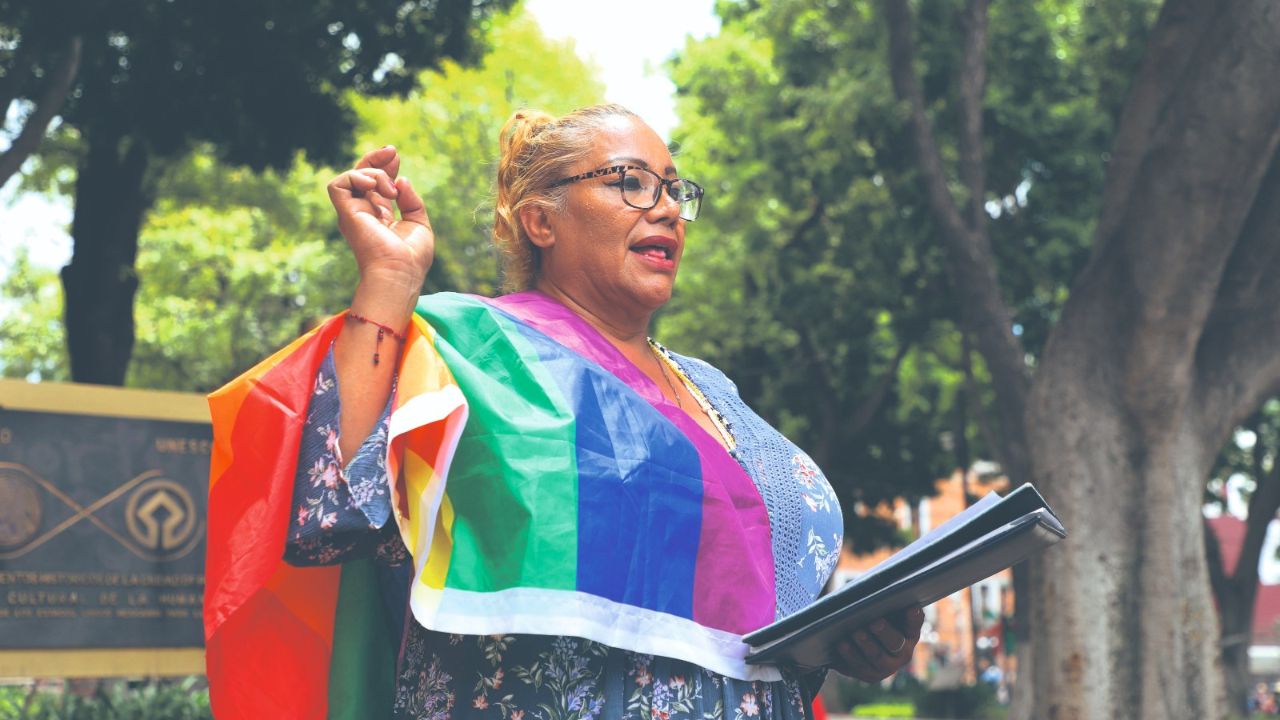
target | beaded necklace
[{"x": 721, "y": 424}]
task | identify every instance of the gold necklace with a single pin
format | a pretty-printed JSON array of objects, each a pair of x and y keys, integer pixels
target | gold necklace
[{"x": 662, "y": 368}]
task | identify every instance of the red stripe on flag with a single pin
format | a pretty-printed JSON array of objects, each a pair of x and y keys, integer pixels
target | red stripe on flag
[{"x": 268, "y": 626}]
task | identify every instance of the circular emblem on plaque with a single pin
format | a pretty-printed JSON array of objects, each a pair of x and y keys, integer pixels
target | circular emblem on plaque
[
  {"x": 161, "y": 517},
  {"x": 20, "y": 510}
]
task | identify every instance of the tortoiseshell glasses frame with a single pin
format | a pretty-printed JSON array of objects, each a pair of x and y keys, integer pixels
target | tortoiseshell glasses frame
[{"x": 641, "y": 188}]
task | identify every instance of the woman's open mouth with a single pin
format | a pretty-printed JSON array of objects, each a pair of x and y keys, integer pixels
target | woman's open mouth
[{"x": 657, "y": 249}]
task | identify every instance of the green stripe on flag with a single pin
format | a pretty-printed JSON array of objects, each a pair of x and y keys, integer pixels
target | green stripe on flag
[
  {"x": 362, "y": 669},
  {"x": 516, "y": 460}
]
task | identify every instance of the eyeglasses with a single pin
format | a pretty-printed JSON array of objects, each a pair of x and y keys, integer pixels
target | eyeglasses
[{"x": 641, "y": 188}]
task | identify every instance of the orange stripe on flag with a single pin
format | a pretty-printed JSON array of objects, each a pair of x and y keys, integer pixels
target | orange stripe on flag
[{"x": 225, "y": 403}]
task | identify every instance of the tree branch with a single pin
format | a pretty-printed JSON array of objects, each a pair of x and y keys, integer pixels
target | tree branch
[
  {"x": 1263, "y": 505},
  {"x": 1171, "y": 220},
  {"x": 983, "y": 309},
  {"x": 973, "y": 87},
  {"x": 1238, "y": 358},
  {"x": 1249, "y": 281},
  {"x": 50, "y": 103},
  {"x": 985, "y": 427},
  {"x": 907, "y": 88},
  {"x": 1165, "y": 65}
]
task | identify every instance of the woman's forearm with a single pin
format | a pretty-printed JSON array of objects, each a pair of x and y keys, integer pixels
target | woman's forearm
[{"x": 364, "y": 385}]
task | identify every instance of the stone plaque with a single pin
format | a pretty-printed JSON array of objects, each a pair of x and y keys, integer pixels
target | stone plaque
[{"x": 102, "y": 527}]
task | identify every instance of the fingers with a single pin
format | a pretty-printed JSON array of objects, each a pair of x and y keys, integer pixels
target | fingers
[
  {"x": 368, "y": 190},
  {"x": 880, "y": 649},
  {"x": 382, "y": 165},
  {"x": 855, "y": 663},
  {"x": 374, "y": 180},
  {"x": 412, "y": 209},
  {"x": 878, "y": 645},
  {"x": 359, "y": 182},
  {"x": 385, "y": 158},
  {"x": 894, "y": 639},
  {"x": 912, "y": 624}
]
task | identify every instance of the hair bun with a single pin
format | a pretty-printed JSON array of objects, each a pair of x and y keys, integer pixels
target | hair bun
[{"x": 520, "y": 129}]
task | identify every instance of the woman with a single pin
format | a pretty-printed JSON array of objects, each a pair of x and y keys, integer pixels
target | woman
[{"x": 609, "y": 571}]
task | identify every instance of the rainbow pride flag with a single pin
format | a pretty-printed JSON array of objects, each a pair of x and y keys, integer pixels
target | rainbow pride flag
[{"x": 542, "y": 483}]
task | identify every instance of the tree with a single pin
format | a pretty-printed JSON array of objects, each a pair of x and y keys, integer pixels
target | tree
[
  {"x": 234, "y": 263},
  {"x": 1166, "y": 343},
  {"x": 257, "y": 81}
]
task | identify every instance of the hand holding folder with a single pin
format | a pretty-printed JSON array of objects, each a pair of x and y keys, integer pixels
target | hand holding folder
[{"x": 989, "y": 536}]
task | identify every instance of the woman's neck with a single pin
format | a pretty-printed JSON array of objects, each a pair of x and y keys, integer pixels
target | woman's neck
[{"x": 628, "y": 332}]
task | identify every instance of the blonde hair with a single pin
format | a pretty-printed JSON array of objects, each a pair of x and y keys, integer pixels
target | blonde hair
[{"x": 537, "y": 149}]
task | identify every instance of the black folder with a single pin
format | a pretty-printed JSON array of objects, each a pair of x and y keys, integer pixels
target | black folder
[{"x": 987, "y": 537}]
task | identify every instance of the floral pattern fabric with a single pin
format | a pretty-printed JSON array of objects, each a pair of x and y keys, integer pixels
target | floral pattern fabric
[
  {"x": 340, "y": 515},
  {"x": 343, "y": 514},
  {"x": 527, "y": 677}
]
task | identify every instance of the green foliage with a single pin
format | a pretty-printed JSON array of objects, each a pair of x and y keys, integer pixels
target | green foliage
[
  {"x": 31, "y": 342},
  {"x": 885, "y": 710},
  {"x": 252, "y": 82},
  {"x": 230, "y": 277},
  {"x": 116, "y": 701},
  {"x": 907, "y": 697},
  {"x": 842, "y": 694}
]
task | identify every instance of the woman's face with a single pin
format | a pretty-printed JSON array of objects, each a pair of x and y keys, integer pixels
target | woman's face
[{"x": 615, "y": 260}]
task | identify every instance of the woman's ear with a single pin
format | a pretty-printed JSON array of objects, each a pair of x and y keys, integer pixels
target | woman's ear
[{"x": 537, "y": 225}]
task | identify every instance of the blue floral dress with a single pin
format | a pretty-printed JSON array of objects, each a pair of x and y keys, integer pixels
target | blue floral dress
[{"x": 343, "y": 515}]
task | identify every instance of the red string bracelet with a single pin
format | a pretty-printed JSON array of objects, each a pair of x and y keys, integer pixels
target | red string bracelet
[{"x": 382, "y": 330}]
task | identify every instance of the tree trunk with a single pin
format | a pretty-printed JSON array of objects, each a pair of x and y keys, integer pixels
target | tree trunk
[
  {"x": 100, "y": 281},
  {"x": 1132, "y": 398},
  {"x": 1122, "y": 612},
  {"x": 1235, "y": 614}
]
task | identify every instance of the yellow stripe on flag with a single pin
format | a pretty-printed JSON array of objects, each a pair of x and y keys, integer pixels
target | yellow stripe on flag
[{"x": 437, "y": 568}]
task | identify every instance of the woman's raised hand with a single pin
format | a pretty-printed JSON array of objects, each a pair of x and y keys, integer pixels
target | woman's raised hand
[{"x": 393, "y": 254}]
